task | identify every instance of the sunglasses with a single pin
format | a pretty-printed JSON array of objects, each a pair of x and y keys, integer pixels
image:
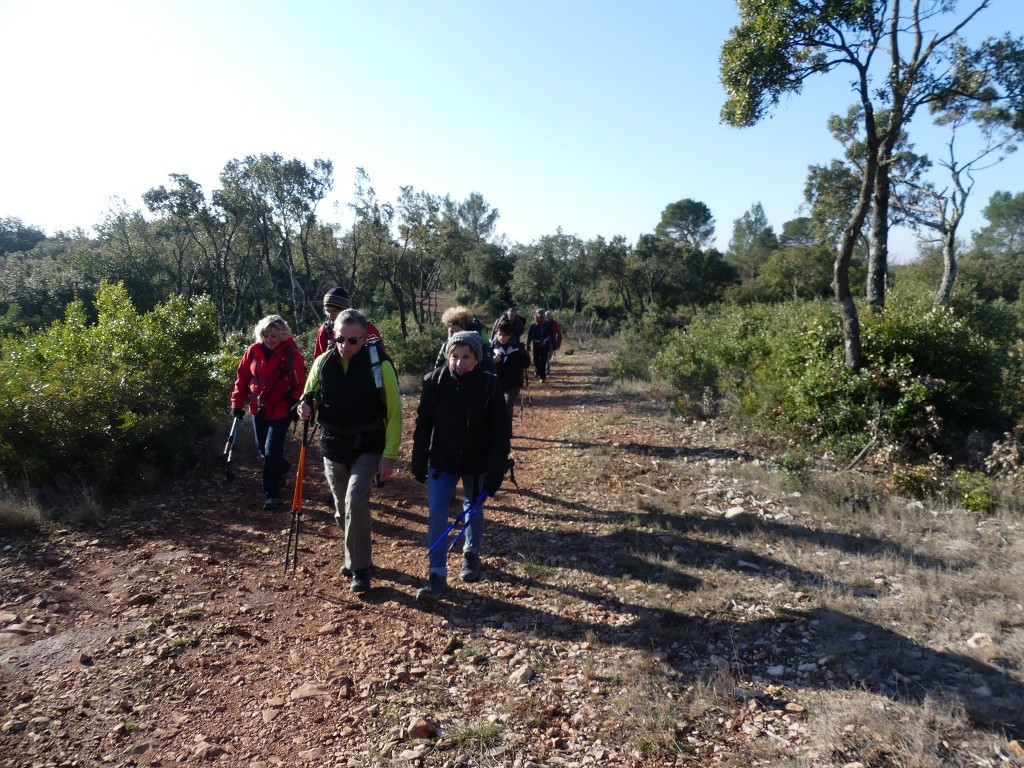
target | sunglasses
[{"x": 353, "y": 340}]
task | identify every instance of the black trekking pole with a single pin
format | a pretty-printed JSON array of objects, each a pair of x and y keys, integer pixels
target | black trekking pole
[
  {"x": 229, "y": 448},
  {"x": 291, "y": 555}
]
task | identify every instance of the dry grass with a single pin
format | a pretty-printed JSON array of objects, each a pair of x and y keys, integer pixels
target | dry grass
[
  {"x": 19, "y": 511},
  {"x": 867, "y": 729}
]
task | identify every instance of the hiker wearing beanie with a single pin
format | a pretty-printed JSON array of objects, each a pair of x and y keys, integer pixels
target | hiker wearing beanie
[
  {"x": 270, "y": 378},
  {"x": 335, "y": 300},
  {"x": 456, "y": 319},
  {"x": 462, "y": 433}
]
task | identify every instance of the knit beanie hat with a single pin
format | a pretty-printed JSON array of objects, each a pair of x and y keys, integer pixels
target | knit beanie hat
[
  {"x": 471, "y": 339},
  {"x": 337, "y": 298}
]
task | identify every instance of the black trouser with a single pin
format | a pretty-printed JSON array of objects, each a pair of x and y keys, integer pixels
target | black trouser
[
  {"x": 540, "y": 360},
  {"x": 511, "y": 395}
]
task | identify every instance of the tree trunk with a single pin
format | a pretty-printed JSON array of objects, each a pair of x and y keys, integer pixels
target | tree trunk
[
  {"x": 878, "y": 252},
  {"x": 852, "y": 352},
  {"x": 948, "y": 270}
]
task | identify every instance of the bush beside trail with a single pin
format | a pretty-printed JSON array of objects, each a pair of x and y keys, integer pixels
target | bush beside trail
[
  {"x": 113, "y": 404},
  {"x": 931, "y": 374}
]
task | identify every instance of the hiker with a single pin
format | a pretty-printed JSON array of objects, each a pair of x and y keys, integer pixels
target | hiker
[
  {"x": 457, "y": 319},
  {"x": 462, "y": 432},
  {"x": 538, "y": 339},
  {"x": 511, "y": 362},
  {"x": 517, "y": 321},
  {"x": 270, "y": 377},
  {"x": 359, "y": 412},
  {"x": 335, "y": 300},
  {"x": 556, "y": 337}
]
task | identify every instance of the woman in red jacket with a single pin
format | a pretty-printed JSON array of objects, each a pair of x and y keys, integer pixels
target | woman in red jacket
[{"x": 270, "y": 377}]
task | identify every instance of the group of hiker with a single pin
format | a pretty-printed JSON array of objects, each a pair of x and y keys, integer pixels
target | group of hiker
[{"x": 463, "y": 421}]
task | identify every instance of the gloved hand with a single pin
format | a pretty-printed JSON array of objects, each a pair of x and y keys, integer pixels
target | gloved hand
[
  {"x": 492, "y": 485},
  {"x": 237, "y": 413}
]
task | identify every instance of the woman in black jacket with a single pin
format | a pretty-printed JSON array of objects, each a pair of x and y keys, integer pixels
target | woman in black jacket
[{"x": 462, "y": 432}]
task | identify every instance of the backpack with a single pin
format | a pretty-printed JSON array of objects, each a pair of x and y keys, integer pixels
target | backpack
[{"x": 376, "y": 358}]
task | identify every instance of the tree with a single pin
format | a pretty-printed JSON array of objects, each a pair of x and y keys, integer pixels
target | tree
[
  {"x": 798, "y": 231},
  {"x": 779, "y": 44},
  {"x": 687, "y": 221},
  {"x": 753, "y": 240},
  {"x": 995, "y": 265},
  {"x": 990, "y": 95},
  {"x": 476, "y": 215},
  {"x": 17, "y": 236}
]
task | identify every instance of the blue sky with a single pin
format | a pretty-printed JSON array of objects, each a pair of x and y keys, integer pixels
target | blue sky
[{"x": 589, "y": 116}]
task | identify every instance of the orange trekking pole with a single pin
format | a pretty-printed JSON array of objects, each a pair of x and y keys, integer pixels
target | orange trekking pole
[{"x": 291, "y": 555}]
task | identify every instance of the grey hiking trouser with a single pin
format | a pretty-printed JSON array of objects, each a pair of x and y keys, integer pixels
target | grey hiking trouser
[{"x": 351, "y": 489}]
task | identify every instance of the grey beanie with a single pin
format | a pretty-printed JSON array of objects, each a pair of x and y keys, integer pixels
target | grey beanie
[{"x": 471, "y": 339}]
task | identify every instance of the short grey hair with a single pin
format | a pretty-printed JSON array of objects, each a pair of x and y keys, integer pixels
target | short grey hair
[
  {"x": 272, "y": 323},
  {"x": 350, "y": 317}
]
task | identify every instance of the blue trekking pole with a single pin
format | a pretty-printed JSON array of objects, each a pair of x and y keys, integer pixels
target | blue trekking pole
[{"x": 474, "y": 508}]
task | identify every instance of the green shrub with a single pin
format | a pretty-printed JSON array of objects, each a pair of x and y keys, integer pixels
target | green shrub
[
  {"x": 926, "y": 370},
  {"x": 107, "y": 402},
  {"x": 972, "y": 490},
  {"x": 415, "y": 354}
]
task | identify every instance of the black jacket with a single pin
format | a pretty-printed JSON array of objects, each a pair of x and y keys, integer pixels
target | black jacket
[
  {"x": 514, "y": 361},
  {"x": 462, "y": 426}
]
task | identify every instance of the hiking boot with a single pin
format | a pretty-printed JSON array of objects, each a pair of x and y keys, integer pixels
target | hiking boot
[
  {"x": 346, "y": 572},
  {"x": 437, "y": 587},
  {"x": 271, "y": 502},
  {"x": 360, "y": 581},
  {"x": 470, "y": 566}
]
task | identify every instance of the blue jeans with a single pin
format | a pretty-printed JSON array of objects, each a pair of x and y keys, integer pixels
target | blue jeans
[
  {"x": 270, "y": 444},
  {"x": 440, "y": 491}
]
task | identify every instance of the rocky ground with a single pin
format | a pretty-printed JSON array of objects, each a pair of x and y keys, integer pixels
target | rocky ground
[{"x": 602, "y": 633}]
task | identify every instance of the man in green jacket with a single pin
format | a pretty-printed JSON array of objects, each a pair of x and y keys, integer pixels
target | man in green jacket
[{"x": 359, "y": 412}]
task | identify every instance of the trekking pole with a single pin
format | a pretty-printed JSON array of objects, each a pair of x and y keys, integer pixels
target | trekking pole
[
  {"x": 470, "y": 514},
  {"x": 229, "y": 448},
  {"x": 291, "y": 555},
  {"x": 475, "y": 507}
]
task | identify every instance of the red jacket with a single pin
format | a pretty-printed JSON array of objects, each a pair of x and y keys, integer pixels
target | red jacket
[
  {"x": 272, "y": 381},
  {"x": 556, "y": 334},
  {"x": 326, "y": 333}
]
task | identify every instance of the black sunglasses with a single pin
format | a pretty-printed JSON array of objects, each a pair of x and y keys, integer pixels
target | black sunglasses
[{"x": 353, "y": 340}]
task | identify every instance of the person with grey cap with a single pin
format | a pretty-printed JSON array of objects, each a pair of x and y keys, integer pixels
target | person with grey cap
[{"x": 462, "y": 434}]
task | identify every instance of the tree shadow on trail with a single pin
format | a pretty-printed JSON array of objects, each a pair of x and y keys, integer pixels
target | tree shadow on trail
[{"x": 845, "y": 653}]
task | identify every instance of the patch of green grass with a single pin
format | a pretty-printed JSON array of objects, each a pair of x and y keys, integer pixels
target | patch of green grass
[
  {"x": 191, "y": 614},
  {"x": 533, "y": 570},
  {"x": 470, "y": 652},
  {"x": 190, "y": 641},
  {"x": 476, "y": 737}
]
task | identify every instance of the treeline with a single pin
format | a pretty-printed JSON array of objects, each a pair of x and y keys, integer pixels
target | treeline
[{"x": 89, "y": 323}]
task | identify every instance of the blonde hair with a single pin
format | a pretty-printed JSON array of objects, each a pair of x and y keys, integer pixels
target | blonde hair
[
  {"x": 272, "y": 323},
  {"x": 460, "y": 316}
]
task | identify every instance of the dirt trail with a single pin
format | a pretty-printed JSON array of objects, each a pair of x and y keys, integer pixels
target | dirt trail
[{"x": 171, "y": 636}]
